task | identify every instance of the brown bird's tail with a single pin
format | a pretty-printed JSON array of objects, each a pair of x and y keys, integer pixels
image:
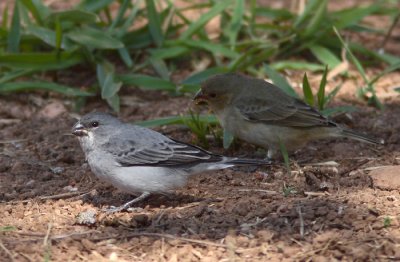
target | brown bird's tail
[{"x": 361, "y": 137}]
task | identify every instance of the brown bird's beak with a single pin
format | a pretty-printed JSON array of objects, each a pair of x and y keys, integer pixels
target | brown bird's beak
[
  {"x": 200, "y": 98},
  {"x": 79, "y": 130}
]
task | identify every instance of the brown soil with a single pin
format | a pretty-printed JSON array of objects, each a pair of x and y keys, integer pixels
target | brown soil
[{"x": 316, "y": 212}]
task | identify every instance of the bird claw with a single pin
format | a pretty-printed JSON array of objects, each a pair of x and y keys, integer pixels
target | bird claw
[{"x": 113, "y": 209}]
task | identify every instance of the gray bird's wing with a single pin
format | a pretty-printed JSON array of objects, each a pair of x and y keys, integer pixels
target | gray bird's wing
[
  {"x": 291, "y": 113},
  {"x": 166, "y": 153}
]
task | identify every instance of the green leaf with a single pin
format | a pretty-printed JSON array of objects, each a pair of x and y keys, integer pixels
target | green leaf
[
  {"x": 14, "y": 35},
  {"x": 108, "y": 84},
  {"x": 285, "y": 155},
  {"x": 199, "y": 77},
  {"x": 236, "y": 22},
  {"x": 308, "y": 95},
  {"x": 317, "y": 19},
  {"x": 5, "y": 18},
  {"x": 275, "y": 14},
  {"x": 94, "y": 38},
  {"x": 73, "y": 16},
  {"x": 280, "y": 81},
  {"x": 205, "y": 18},
  {"x": 41, "y": 85},
  {"x": 325, "y": 56},
  {"x": 176, "y": 120},
  {"x": 227, "y": 139},
  {"x": 321, "y": 90},
  {"x": 332, "y": 94},
  {"x": 40, "y": 61},
  {"x": 147, "y": 82},
  {"x": 38, "y": 10},
  {"x": 48, "y": 36},
  {"x": 387, "y": 70},
  {"x": 296, "y": 65},
  {"x": 94, "y": 5},
  {"x": 212, "y": 48},
  {"x": 169, "y": 52},
  {"x": 160, "y": 67},
  {"x": 348, "y": 17},
  {"x": 125, "y": 56},
  {"x": 154, "y": 23},
  {"x": 9, "y": 76}
]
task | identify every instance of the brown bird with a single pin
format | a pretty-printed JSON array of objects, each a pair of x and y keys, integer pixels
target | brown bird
[{"x": 262, "y": 114}]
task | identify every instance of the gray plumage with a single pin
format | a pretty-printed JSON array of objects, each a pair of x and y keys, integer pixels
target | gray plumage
[{"x": 140, "y": 160}]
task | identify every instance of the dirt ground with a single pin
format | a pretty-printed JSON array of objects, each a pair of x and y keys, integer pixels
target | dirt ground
[{"x": 340, "y": 201}]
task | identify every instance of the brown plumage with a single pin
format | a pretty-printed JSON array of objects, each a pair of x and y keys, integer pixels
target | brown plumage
[{"x": 262, "y": 114}]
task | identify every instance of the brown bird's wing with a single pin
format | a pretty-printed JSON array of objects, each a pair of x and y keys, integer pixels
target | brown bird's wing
[{"x": 291, "y": 113}]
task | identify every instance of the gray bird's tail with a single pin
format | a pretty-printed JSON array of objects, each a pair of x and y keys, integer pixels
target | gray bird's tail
[
  {"x": 247, "y": 162},
  {"x": 361, "y": 137}
]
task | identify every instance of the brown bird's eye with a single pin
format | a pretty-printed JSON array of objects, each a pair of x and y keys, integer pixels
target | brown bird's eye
[
  {"x": 94, "y": 124},
  {"x": 213, "y": 95}
]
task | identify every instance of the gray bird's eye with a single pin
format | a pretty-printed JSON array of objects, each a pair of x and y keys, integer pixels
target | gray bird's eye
[
  {"x": 213, "y": 95},
  {"x": 94, "y": 124}
]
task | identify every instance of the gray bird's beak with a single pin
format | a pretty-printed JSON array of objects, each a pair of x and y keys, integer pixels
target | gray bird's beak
[
  {"x": 199, "y": 97},
  {"x": 79, "y": 130}
]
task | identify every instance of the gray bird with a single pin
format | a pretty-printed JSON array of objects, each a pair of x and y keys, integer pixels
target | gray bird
[
  {"x": 139, "y": 160},
  {"x": 262, "y": 114}
]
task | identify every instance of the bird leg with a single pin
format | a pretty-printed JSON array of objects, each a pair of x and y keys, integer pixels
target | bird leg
[{"x": 125, "y": 206}]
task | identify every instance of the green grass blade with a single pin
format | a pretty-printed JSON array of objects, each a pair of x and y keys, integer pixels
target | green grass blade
[
  {"x": 41, "y": 85},
  {"x": 154, "y": 23},
  {"x": 213, "y": 48},
  {"x": 351, "y": 16},
  {"x": 199, "y": 77},
  {"x": 387, "y": 70},
  {"x": 105, "y": 75},
  {"x": 205, "y": 18},
  {"x": 325, "y": 56},
  {"x": 236, "y": 22},
  {"x": 48, "y": 36},
  {"x": 59, "y": 35},
  {"x": 9, "y": 76},
  {"x": 125, "y": 56},
  {"x": 40, "y": 61},
  {"x": 4, "y": 21},
  {"x": 94, "y": 5},
  {"x": 321, "y": 90},
  {"x": 227, "y": 139},
  {"x": 147, "y": 82},
  {"x": 72, "y": 16},
  {"x": 280, "y": 81},
  {"x": 176, "y": 120},
  {"x": 332, "y": 94},
  {"x": 285, "y": 155},
  {"x": 352, "y": 56},
  {"x": 14, "y": 35},
  {"x": 120, "y": 15},
  {"x": 308, "y": 95},
  {"x": 160, "y": 67},
  {"x": 38, "y": 10},
  {"x": 168, "y": 52},
  {"x": 94, "y": 38},
  {"x": 317, "y": 19},
  {"x": 296, "y": 65}
]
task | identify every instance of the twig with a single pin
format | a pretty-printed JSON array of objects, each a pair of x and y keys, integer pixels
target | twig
[
  {"x": 12, "y": 141},
  {"x": 8, "y": 252},
  {"x": 316, "y": 193},
  {"x": 139, "y": 234},
  {"x": 301, "y": 221},
  {"x": 46, "y": 237},
  {"x": 389, "y": 33},
  {"x": 271, "y": 192}
]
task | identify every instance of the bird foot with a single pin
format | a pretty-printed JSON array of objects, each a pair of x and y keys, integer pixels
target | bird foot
[{"x": 126, "y": 206}]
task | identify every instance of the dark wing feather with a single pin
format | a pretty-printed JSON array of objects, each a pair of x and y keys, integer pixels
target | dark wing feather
[
  {"x": 295, "y": 113},
  {"x": 168, "y": 153}
]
